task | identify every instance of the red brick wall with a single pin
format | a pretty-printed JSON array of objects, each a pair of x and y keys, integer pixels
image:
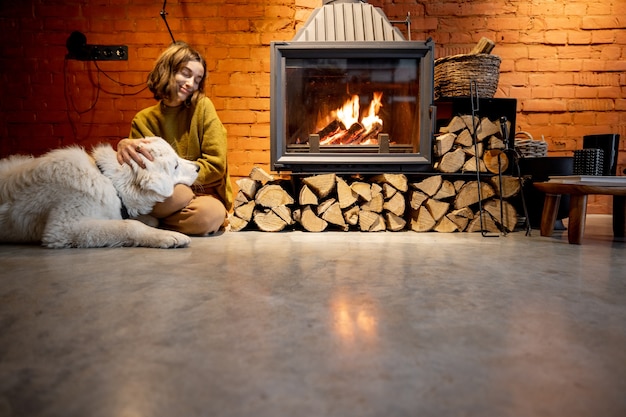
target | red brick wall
[{"x": 564, "y": 61}]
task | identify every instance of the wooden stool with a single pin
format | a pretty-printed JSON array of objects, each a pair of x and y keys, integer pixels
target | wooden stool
[{"x": 578, "y": 207}]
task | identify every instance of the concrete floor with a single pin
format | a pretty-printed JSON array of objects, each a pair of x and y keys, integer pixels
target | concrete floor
[{"x": 329, "y": 324}]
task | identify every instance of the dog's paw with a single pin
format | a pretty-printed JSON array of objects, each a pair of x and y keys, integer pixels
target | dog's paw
[{"x": 176, "y": 240}]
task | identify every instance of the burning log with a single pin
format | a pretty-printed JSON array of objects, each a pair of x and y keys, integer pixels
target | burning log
[
  {"x": 331, "y": 129},
  {"x": 365, "y": 136}
]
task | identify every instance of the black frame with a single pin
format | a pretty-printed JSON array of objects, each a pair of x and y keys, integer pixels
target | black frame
[{"x": 355, "y": 162}]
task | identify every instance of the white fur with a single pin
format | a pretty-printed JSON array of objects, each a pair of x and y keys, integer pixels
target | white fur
[{"x": 67, "y": 198}]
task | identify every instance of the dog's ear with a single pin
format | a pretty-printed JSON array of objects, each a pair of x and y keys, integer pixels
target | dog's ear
[{"x": 153, "y": 179}]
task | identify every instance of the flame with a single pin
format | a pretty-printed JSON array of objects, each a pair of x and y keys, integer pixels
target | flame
[
  {"x": 342, "y": 125},
  {"x": 371, "y": 118},
  {"x": 348, "y": 114}
]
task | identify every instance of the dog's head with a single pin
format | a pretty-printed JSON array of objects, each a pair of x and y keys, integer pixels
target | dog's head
[
  {"x": 166, "y": 170},
  {"x": 141, "y": 188}
]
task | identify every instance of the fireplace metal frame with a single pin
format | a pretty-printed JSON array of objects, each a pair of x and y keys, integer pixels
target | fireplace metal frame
[{"x": 340, "y": 160}]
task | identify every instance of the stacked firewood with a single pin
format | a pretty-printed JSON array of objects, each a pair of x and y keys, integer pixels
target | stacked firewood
[
  {"x": 458, "y": 149},
  {"x": 442, "y": 205},
  {"x": 383, "y": 202},
  {"x": 324, "y": 201}
]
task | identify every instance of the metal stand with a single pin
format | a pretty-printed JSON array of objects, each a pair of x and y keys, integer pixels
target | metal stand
[{"x": 514, "y": 156}]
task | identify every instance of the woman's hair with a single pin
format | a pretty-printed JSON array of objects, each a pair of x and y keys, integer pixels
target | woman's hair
[{"x": 161, "y": 80}]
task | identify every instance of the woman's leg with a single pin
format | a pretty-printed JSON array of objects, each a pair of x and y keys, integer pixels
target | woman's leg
[
  {"x": 179, "y": 200},
  {"x": 203, "y": 215}
]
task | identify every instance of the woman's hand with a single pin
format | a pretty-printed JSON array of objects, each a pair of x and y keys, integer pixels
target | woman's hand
[{"x": 132, "y": 149}]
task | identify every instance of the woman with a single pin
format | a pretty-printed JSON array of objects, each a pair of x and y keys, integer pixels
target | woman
[{"x": 187, "y": 119}]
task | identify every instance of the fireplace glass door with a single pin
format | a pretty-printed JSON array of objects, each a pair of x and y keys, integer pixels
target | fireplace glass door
[{"x": 346, "y": 107}]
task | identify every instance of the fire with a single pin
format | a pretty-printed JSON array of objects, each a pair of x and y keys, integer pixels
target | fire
[
  {"x": 345, "y": 126},
  {"x": 371, "y": 118},
  {"x": 348, "y": 114}
]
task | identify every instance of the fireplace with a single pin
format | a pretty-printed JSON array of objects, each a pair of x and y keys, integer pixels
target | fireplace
[{"x": 350, "y": 94}]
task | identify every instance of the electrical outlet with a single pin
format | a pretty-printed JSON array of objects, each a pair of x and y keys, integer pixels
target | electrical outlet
[
  {"x": 108, "y": 52},
  {"x": 78, "y": 48}
]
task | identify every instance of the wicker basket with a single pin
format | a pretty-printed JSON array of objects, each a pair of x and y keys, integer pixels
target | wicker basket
[
  {"x": 453, "y": 75},
  {"x": 528, "y": 147}
]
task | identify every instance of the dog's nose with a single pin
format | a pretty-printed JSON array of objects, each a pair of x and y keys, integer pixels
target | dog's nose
[{"x": 197, "y": 168}]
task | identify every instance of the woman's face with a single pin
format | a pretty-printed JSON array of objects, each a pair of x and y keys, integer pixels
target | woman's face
[{"x": 187, "y": 81}]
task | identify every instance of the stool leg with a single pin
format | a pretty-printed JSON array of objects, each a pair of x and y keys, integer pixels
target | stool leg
[
  {"x": 619, "y": 216},
  {"x": 577, "y": 215},
  {"x": 548, "y": 215}
]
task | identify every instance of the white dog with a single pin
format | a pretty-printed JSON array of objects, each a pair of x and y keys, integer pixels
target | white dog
[{"x": 68, "y": 198}]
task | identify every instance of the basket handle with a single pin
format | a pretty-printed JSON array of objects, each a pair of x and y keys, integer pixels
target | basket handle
[{"x": 527, "y": 134}]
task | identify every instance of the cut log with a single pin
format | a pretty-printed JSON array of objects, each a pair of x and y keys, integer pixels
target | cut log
[
  {"x": 421, "y": 220},
  {"x": 389, "y": 191},
  {"x": 321, "y": 184},
  {"x": 376, "y": 190},
  {"x": 258, "y": 174},
  {"x": 468, "y": 195},
  {"x": 245, "y": 211},
  {"x": 375, "y": 204},
  {"x": 444, "y": 143},
  {"x": 379, "y": 225},
  {"x": 458, "y": 184},
  {"x": 445, "y": 225},
  {"x": 307, "y": 197},
  {"x": 496, "y": 161},
  {"x": 310, "y": 222},
  {"x": 472, "y": 150},
  {"x": 484, "y": 46},
  {"x": 507, "y": 218},
  {"x": 236, "y": 224},
  {"x": 486, "y": 129},
  {"x": 367, "y": 219},
  {"x": 240, "y": 199},
  {"x": 488, "y": 224},
  {"x": 430, "y": 185},
  {"x": 437, "y": 209},
  {"x": 351, "y": 215},
  {"x": 248, "y": 186},
  {"x": 460, "y": 220},
  {"x": 334, "y": 215},
  {"x": 398, "y": 181},
  {"x": 396, "y": 204},
  {"x": 495, "y": 143},
  {"x": 394, "y": 222},
  {"x": 447, "y": 190},
  {"x": 452, "y": 161},
  {"x": 417, "y": 199},
  {"x": 461, "y": 217},
  {"x": 345, "y": 195},
  {"x": 272, "y": 195},
  {"x": 331, "y": 128},
  {"x": 464, "y": 138},
  {"x": 470, "y": 165},
  {"x": 284, "y": 213},
  {"x": 510, "y": 186},
  {"x": 363, "y": 189},
  {"x": 324, "y": 205},
  {"x": 470, "y": 122},
  {"x": 268, "y": 221},
  {"x": 457, "y": 123}
]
